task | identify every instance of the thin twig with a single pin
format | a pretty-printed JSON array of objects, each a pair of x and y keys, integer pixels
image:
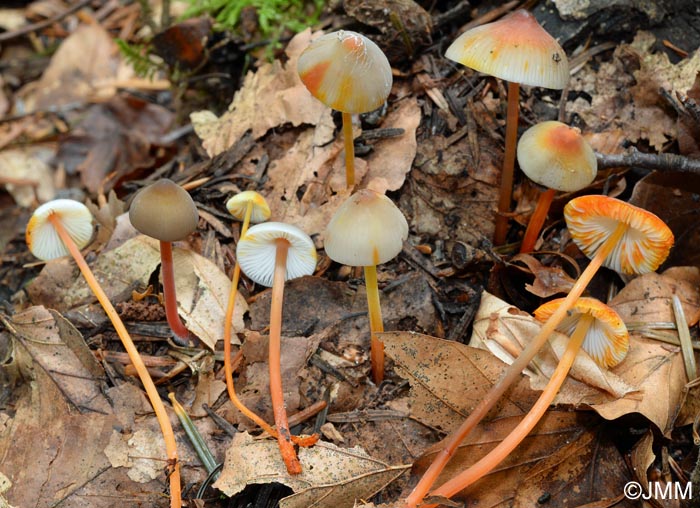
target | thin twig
[
  {"x": 6, "y": 36},
  {"x": 659, "y": 161}
]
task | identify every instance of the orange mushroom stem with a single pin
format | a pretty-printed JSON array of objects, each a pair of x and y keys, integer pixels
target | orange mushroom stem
[
  {"x": 506, "y": 190},
  {"x": 544, "y": 202}
]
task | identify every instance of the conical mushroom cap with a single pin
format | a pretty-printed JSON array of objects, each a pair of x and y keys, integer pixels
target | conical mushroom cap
[
  {"x": 238, "y": 204},
  {"x": 643, "y": 247},
  {"x": 43, "y": 240},
  {"x": 515, "y": 48},
  {"x": 607, "y": 339},
  {"x": 557, "y": 156},
  {"x": 368, "y": 229},
  {"x": 257, "y": 249},
  {"x": 164, "y": 211},
  {"x": 346, "y": 71}
]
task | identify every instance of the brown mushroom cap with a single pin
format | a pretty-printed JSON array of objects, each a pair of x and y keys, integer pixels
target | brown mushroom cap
[
  {"x": 645, "y": 244},
  {"x": 557, "y": 156},
  {"x": 164, "y": 211},
  {"x": 515, "y": 48},
  {"x": 607, "y": 339}
]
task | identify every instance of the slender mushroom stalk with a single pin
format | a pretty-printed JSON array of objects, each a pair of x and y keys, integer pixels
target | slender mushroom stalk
[
  {"x": 367, "y": 230},
  {"x": 591, "y": 324},
  {"x": 349, "y": 73},
  {"x": 516, "y": 49},
  {"x": 611, "y": 232},
  {"x": 556, "y": 156},
  {"x": 166, "y": 212},
  {"x": 247, "y": 206},
  {"x": 63, "y": 227},
  {"x": 269, "y": 254}
]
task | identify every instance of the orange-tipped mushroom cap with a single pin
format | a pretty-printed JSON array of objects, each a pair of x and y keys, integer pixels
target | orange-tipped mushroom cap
[
  {"x": 43, "y": 240},
  {"x": 515, "y": 48},
  {"x": 607, "y": 339},
  {"x": 164, "y": 211},
  {"x": 346, "y": 71},
  {"x": 367, "y": 230},
  {"x": 238, "y": 204},
  {"x": 557, "y": 156},
  {"x": 257, "y": 249},
  {"x": 642, "y": 248}
]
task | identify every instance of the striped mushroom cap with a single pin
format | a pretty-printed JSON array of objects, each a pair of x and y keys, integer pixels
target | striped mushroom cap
[
  {"x": 257, "y": 250},
  {"x": 237, "y": 206},
  {"x": 164, "y": 211},
  {"x": 346, "y": 71},
  {"x": 644, "y": 245},
  {"x": 367, "y": 229},
  {"x": 556, "y": 156},
  {"x": 515, "y": 48},
  {"x": 43, "y": 240},
  {"x": 607, "y": 340}
]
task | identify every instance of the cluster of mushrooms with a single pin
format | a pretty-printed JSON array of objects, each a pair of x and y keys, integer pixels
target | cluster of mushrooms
[{"x": 612, "y": 233}]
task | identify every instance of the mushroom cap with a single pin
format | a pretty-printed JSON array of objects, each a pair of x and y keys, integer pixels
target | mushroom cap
[
  {"x": 257, "y": 249},
  {"x": 367, "y": 229},
  {"x": 164, "y": 211},
  {"x": 607, "y": 339},
  {"x": 557, "y": 156},
  {"x": 346, "y": 71},
  {"x": 237, "y": 206},
  {"x": 41, "y": 236},
  {"x": 642, "y": 248},
  {"x": 515, "y": 48}
]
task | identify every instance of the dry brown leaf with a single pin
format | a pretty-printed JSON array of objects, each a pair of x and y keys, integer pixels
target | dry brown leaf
[
  {"x": 27, "y": 164},
  {"x": 269, "y": 97},
  {"x": 549, "y": 280},
  {"x": 331, "y": 476}
]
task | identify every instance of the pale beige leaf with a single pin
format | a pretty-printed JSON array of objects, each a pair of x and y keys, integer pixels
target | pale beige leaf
[
  {"x": 26, "y": 164},
  {"x": 328, "y": 472}
]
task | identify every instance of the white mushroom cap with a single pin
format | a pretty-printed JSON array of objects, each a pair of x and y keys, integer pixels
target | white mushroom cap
[
  {"x": 257, "y": 250},
  {"x": 515, "y": 48},
  {"x": 557, "y": 156},
  {"x": 237, "y": 206},
  {"x": 41, "y": 236},
  {"x": 607, "y": 339},
  {"x": 346, "y": 71},
  {"x": 367, "y": 230}
]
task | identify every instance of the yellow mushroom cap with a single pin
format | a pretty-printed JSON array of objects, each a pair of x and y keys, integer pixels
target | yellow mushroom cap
[
  {"x": 43, "y": 240},
  {"x": 515, "y": 48},
  {"x": 346, "y": 71},
  {"x": 257, "y": 249},
  {"x": 238, "y": 204},
  {"x": 642, "y": 248},
  {"x": 557, "y": 156},
  {"x": 367, "y": 229},
  {"x": 164, "y": 211},
  {"x": 607, "y": 339}
]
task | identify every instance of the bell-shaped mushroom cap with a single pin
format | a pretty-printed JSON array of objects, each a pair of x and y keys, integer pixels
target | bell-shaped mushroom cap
[
  {"x": 367, "y": 230},
  {"x": 43, "y": 240},
  {"x": 346, "y": 71},
  {"x": 238, "y": 204},
  {"x": 557, "y": 156},
  {"x": 643, "y": 247},
  {"x": 164, "y": 211},
  {"x": 257, "y": 250},
  {"x": 607, "y": 339},
  {"x": 515, "y": 48}
]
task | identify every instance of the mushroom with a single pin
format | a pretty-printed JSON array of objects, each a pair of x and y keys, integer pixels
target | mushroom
[
  {"x": 556, "y": 156},
  {"x": 246, "y": 206},
  {"x": 591, "y": 325},
  {"x": 612, "y": 233},
  {"x": 270, "y": 254},
  {"x": 62, "y": 227},
  {"x": 349, "y": 73},
  {"x": 517, "y": 49},
  {"x": 166, "y": 212},
  {"x": 366, "y": 230}
]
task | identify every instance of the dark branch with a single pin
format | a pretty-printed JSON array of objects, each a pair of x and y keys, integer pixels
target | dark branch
[{"x": 660, "y": 161}]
